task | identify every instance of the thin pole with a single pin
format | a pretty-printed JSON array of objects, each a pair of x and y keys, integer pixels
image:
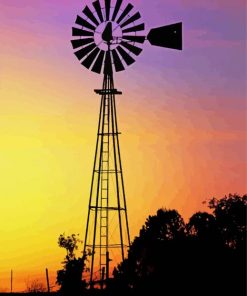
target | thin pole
[
  {"x": 47, "y": 280},
  {"x": 121, "y": 169},
  {"x": 107, "y": 265},
  {"x": 102, "y": 278},
  {"x": 114, "y": 132},
  {"x": 98, "y": 187},
  {"x": 94, "y": 168},
  {"x": 11, "y": 281}
]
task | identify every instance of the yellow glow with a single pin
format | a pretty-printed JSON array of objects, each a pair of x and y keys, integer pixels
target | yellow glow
[{"x": 48, "y": 124}]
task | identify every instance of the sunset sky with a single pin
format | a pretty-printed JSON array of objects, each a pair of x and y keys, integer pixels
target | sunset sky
[{"x": 182, "y": 117}]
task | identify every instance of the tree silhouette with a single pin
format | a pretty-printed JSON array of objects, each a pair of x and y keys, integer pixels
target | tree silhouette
[
  {"x": 144, "y": 269},
  {"x": 70, "y": 277},
  {"x": 203, "y": 226},
  {"x": 230, "y": 213},
  {"x": 206, "y": 256},
  {"x": 70, "y": 244}
]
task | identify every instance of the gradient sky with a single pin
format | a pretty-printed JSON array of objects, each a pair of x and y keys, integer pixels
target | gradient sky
[{"x": 182, "y": 118}]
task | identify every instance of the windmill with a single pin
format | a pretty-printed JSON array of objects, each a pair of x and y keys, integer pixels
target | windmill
[{"x": 106, "y": 39}]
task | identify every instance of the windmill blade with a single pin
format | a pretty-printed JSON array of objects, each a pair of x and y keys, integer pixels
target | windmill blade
[
  {"x": 108, "y": 63},
  {"x": 96, "y": 5},
  {"x": 140, "y": 27},
  {"x": 80, "y": 21},
  {"x": 99, "y": 62},
  {"x": 90, "y": 15},
  {"x": 132, "y": 48},
  {"x": 80, "y": 54},
  {"x": 132, "y": 19},
  {"x": 127, "y": 58},
  {"x": 138, "y": 39},
  {"x": 168, "y": 36},
  {"x": 125, "y": 12},
  {"x": 107, "y": 9},
  {"x": 117, "y": 61},
  {"x": 90, "y": 58},
  {"x": 81, "y": 42},
  {"x": 116, "y": 10},
  {"x": 80, "y": 32}
]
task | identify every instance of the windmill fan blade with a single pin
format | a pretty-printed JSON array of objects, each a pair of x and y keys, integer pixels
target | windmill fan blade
[
  {"x": 138, "y": 39},
  {"x": 168, "y": 36},
  {"x": 140, "y": 27},
  {"x": 116, "y": 10},
  {"x": 107, "y": 9},
  {"x": 132, "y": 19},
  {"x": 125, "y": 12},
  {"x": 90, "y": 58},
  {"x": 97, "y": 7},
  {"x": 134, "y": 49},
  {"x": 108, "y": 63},
  {"x": 127, "y": 58},
  {"x": 80, "y": 32},
  {"x": 81, "y": 42},
  {"x": 99, "y": 62},
  {"x": 117, "y": 61},
  {"x": 80, "y": 54},
  {"x": 90, "y": 15},
  {"x": 84, "y": 23}
]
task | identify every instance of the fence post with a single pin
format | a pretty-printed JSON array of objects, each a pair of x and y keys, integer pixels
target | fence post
[
  {"x": 11, "y": 281},
  {"x": 47, "y": 280}
]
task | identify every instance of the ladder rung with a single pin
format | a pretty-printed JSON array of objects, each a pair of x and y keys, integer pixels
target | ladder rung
[
  {"x": 107, "y": 208},
  {"x": 107, "y": 171},
  {"x": 109, "y": 134}
]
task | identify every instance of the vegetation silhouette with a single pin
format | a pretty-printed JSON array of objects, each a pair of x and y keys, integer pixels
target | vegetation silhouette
[
  {"x": 35, "y": 286},
  {"x": 206, "y": 256},
  {"x": 70, "y": 277}
]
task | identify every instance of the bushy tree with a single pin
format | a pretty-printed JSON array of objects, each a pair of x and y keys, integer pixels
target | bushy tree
[
  {"x": 230, "y": 214},
  {"x": 70, "y": 277},
  {"x": 143, "y": 269},
  {"x": 206, "y": 256}
]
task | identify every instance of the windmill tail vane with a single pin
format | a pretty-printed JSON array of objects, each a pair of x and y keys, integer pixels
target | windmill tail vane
[{"x": 107, "y": 38}]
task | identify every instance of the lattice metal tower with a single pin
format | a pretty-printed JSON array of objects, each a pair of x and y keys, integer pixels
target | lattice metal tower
[
  {"x": 105, "y": 41},
  {"x": 107, "y": 196}
]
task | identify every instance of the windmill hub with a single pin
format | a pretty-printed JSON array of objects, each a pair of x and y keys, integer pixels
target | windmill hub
[{"x": 108, "y": 33}]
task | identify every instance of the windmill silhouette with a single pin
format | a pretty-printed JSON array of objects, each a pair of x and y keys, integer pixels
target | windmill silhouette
[{"x": 105, "y": 40}]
